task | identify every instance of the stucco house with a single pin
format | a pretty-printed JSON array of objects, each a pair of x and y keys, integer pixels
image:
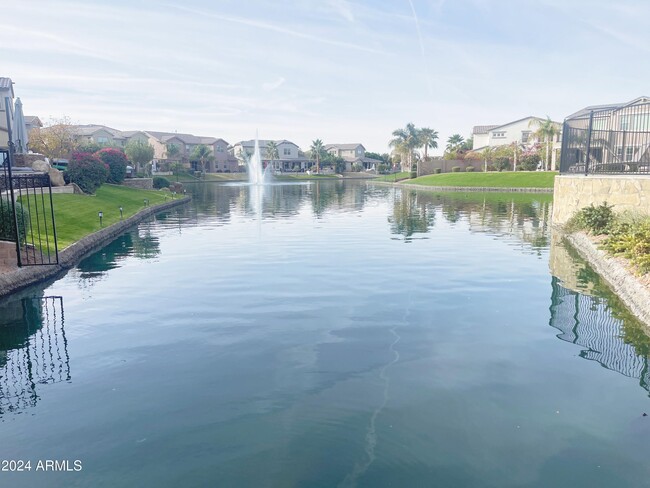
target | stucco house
[
  {"x": 32, "y": 122},
  {"x": 223, "y": 162},
  {"x": 290, "y": 156},
  {"x": 520, "y": 132},
  {"x": 6, "y": 92},
  {"x": 354, "y": 154}
]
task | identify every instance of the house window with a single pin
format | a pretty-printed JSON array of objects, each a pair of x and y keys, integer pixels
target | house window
[
  {"x": 525, "y": 135},
  {"x": 358, "y": 152},
  {"x": 220, "y": 149},
  {"x": 497, "y": 135},
  {"x": 629, "y": 153},
  {"x": 102, "y": 140},
  {"x": 286, "y": 151},
  {"x": 625, "y": 122}
]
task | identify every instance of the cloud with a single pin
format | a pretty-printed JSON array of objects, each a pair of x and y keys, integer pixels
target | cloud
[
  {"x": 342, "y": 7},
  {"x": 273, "y": 85}
]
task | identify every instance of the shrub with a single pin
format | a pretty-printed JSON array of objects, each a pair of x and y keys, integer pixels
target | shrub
[
  {"x": 595, "y": 219},
  {"x": 437, "y": 171},
  {"x": 490, "y": 167},
  {"x": 631, "y": 240},
  {"x": 87, "y": 171},
  {"x": 160, "y": 182},
  {"x": 6, "y": 220},
  {"x": 502, "y": 164},
  {"x": 456, "y": 169},
  {"x": 469, "y": 169},
  {"x": 529, "y": 162},
  {"x": 116, "y": 161}
]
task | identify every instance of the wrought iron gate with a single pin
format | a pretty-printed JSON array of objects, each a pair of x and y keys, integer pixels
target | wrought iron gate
[{"x": 27, "y": 213}]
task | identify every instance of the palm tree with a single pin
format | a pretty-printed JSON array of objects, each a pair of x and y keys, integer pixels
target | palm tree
[
  {"x": 272, "y": 152},
  {"x": 316, "y": 150},
  {"x": 202, "y": 154},
  {"x": 405, "y": 141},
  {"x": 546, "y": 130},
  {"x": 455, "y": 142},
  {"x": 486, "y": 154},
  {"x": 429, "y": 138}
]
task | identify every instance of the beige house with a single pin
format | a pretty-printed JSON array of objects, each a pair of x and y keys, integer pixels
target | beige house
[
  {"x": 354, "y": 154},
  {"x": 222, "y": 162},
  {"x": 6, "y": 106},
  {"x": 291, "y": 157}
]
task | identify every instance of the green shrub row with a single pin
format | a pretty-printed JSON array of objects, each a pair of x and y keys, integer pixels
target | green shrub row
[{"x": 6, "y": 220}]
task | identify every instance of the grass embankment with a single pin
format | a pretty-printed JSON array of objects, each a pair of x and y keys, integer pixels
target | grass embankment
[
  {"x": 303, "y": 176},
  {"x": 394, "y": 177},
  {"x": 78, "y": 215},
  {"x": 523, "y": 179},
  {"x": 186, "y": 178}
]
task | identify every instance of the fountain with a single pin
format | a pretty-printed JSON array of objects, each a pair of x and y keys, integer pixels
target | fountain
[{"x": 257, "y": 175}]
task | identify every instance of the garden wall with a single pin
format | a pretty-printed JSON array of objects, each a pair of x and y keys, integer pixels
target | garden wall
[
  {"x": 141, "y": 183},
  {"x": 445, "y": 165},
  {"x": 625, "y": 192}
]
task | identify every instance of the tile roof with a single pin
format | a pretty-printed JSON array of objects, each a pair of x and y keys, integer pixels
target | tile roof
[
  {"x": 342, "y": 146},
  {"x": 483, "y": 129},
  {"x": 5, "y": 83}
]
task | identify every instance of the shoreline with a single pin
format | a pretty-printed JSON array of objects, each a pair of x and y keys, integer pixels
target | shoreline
[
  {"x": 479, "y": 189},
  {"x": 615, "y": 271},
  {"x": 20, "y": 278}
]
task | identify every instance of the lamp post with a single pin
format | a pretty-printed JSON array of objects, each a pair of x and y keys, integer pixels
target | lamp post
[
  {"x": 101, "y": 216},
  {"x": 121, "y": 213}
]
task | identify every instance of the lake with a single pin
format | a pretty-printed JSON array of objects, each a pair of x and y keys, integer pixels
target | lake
[{"x": 323, "y": 334}]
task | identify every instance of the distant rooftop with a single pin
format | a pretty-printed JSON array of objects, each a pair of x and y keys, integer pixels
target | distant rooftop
[{"x": 483, "y": 129}]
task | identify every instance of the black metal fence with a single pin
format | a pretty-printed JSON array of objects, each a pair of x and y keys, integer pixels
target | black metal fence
[
  {"x": 27, "y": 214},
  {"x": 612, "y": 140}
]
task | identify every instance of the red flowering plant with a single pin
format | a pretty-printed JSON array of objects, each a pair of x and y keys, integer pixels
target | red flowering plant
[
  {"x": 87, "y": 171},
  {"x": 116, "y": 161}
]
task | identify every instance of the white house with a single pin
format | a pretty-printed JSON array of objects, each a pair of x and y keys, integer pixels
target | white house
[
  {"x": 520, "y": 132},
  {"x": 353, "y": 153},
  {"x": 290, "y": 156}
]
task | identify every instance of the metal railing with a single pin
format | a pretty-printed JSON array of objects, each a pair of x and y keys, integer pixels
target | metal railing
[{"x": 614, "y": 140}]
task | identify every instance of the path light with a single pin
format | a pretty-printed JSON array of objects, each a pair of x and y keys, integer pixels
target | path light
[
  {"x": 121, "y": 213},
  {"x": 101, "y": 216},
  {"x": 146, "y": 202},
  {"x": 173, "y": 195}
]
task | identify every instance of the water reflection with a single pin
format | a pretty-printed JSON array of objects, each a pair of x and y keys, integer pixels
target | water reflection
[
  {"x": 587, "y": 313},
  {"x": 522, "y": 217},
  {"x": 33, "y": 350}
]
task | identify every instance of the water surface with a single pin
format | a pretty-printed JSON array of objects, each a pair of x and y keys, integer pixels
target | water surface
[{"x": 328, "y": 334}]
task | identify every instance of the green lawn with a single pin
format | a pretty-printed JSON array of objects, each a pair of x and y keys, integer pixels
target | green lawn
[
  {"x": 185, "y": 178},
  {"x": 77, "y": 215},
  {"x": 302, "y": 176},
  {"x": 394, "y": 177},
  {"x": 521, "y": 179}
]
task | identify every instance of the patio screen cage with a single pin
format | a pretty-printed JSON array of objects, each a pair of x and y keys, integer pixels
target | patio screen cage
[{"x": 608, "y": 140}]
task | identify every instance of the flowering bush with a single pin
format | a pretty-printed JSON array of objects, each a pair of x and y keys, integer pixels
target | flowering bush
[
  {"x": 87, "y": 171},
  {"x": 116, "y": 161}
]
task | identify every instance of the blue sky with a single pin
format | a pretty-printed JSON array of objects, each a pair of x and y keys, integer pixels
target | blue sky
[{"x": 342, "y": 71}]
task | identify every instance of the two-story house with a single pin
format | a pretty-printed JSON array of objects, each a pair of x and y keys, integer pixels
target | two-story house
[
  {"x": 222, "y": 161},
  {"x": 290, "y": 158},
  {"x": 354, "y": 155},
  {"x": 520, "y": 132}
]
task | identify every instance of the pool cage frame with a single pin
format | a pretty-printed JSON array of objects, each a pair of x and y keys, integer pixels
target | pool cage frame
[{"x": 608, "y": 140}]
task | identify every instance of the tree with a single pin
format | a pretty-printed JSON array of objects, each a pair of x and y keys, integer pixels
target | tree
[
  {"x": 428, "y": 138},
  {"x": 317, "y": 150},
  {"x": 87, "y": 171},
  {"x": 486, "y": 154},
  {"x": 116, "y": 161},
  {"x": 404, "y": 142},
  {"x": 202, "y": 154},
  {"x": 545, "y": 132},
  {"x": 140, "y": 153},
  {"x": 272, "y": 152},
  {"x": 172, "y": 151},
  {"x": 455, "y": 142},
  {"x": 56, "y": 140}
]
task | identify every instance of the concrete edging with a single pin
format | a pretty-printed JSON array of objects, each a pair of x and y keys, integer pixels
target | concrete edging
[
  {"x": 623, "y": 282},
  {"x": 466, "y": 188},
  {"x": 20, "y": 278}
]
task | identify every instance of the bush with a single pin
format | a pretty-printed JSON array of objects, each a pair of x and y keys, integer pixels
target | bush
[
  {"x": 529, "y": 162},
  {"x": 490, "y": 167},
  {"x": 116, "y": 161},
  {"x": 632, "y": 241},
  {"x": 456, "y": 169},
  {"x": 437, "y": 171},
  {"x": 87, "y": 171},
  {"x": 160, "y": 182},
  {"x": 502, "y": 164},
  {"x": 470, "y": 169},
  {"x": 595, "y": 219},
  {"x": 6, "y": 220}
]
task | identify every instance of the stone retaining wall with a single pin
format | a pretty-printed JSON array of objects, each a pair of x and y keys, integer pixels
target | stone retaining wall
[
  {"x": 141, "y": 183},
  {"x": 625, "y": 192},
  {"x": 19, "y": 278},
  {"x": 626, "y": 285}
]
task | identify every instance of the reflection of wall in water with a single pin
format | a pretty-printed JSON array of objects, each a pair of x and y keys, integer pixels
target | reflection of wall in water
[
  {"x": 588, "y": 322},
  {"x": 33, "y": 350}
]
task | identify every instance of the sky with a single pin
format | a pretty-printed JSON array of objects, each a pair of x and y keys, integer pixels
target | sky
[{"x": 341, "y": 71}]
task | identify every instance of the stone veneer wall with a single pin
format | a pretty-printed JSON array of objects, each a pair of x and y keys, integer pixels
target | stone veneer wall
[
  {"x": 142, "y": 183},
  {"x": 8, "y": 255},
  {"x": 625, "y": 192}
]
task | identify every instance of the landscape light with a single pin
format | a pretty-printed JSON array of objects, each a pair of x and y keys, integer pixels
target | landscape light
[
  {"x": 121, "y": 213},
  {"x": 101, "y": 216}
]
